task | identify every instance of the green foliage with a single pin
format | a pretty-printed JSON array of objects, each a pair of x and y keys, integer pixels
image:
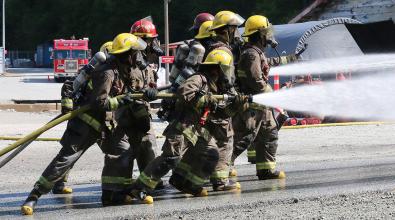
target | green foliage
[{"x": 31, "y": 22}]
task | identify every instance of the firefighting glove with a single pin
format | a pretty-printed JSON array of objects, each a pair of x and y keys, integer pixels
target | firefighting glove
[
  {"x": 150, "y": 94},
  {"x": 67, "y": 94},
  {"x": 238, "y": 105},
  {"x": 207, "y": 100},
  {"x": 125, "y": 99},
  {"x": 67, "y": 89}
]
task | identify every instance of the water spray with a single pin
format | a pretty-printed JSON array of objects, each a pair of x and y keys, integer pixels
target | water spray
[
  {"x": 363, "y": 63},
  {"x": 369, "y": 97}
]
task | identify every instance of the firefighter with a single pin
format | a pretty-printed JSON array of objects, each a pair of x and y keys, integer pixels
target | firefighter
[
  {"x": 145, "y": 29},
  {"x": 210, "y": 138},
  {"x": 188, "y": 57},
  {"x": 178, "y": 135},
  {"x": 134, "y": 121},
  {"x": 199, "y": 20},
  {"x": 225, "y": 26},
  {"x": 257, "y": 125},
  {"x": 94, "y": 126},
  {"x": 106, "y": 48}
]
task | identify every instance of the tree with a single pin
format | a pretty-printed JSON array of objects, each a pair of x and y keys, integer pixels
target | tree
[{"x": 32, "y": 22}]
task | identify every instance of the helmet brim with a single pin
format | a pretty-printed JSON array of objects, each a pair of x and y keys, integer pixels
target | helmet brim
[
  {"x": 140, "y": 44},
  {"x": 146, "y": 35},
  {"x": 236, "y": 20}
]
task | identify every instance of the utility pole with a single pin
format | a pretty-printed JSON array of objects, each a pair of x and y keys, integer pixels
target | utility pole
[
  {"x": 166, "y": 7},
  {"x": 4, "y": 35}
]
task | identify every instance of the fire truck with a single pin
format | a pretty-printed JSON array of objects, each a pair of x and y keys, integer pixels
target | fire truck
[{"x": 68, "y": 57}]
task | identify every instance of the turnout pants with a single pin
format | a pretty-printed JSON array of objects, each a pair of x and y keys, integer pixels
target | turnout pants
[
  {"x": 172, "y": 150},
  {"x": 77, "y": 138},
  {"x": 208, "y": 158},
  {"x": 256, "y": 128},
  {"x": 118, "y": 164}
]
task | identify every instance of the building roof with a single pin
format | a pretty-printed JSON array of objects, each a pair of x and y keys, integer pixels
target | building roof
[{"x": 362, "y": 10}]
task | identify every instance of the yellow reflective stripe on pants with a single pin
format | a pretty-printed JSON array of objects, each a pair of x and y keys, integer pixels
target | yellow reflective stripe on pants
[
  {"x": 198, "y": 181},
  {"x": 265, "y": 165},
  {"x": 113, "y": 103},
  {"x": 183, "y": 166},
  {"x": 189, "y": 133},
  {"x": 116, "y": 180},
  {"x": 147, "y": 181},
  {"x": 90, "y": 121},
  {"x": 220, "y": 174},
  {"x": 251, "y": 153},
  {"x": 66, "y": 102},
  {"x": 189, "y": 175},
  {"x": 45, "y": 183}
]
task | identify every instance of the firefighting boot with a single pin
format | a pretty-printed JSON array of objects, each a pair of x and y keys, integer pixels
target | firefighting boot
[
  {"x": 228, "y": 185},
  {"x": 138, "y": 191},
  {"x": 202, "y": 193},
  {"x": 61, "y": 188},
  {"x": 141, "y": 196},
  {"x": 31, "y": 201},
  {"x": 186, "y": 186},
  {"x": 232, "y": 173},
  {"x": 114, "y": 198},
  {"x": 270, "y": 174}
]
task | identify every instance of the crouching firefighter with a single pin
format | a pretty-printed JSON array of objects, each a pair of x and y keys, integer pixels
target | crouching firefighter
[
  {"x": 257, "y": 126},
  {"x": 211, "y": 123},
  {"x": 94, "y": 126},
  {"x": 188, "y": 58}
]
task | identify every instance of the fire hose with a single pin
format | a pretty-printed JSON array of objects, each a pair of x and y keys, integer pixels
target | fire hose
[
  {"x": 27, "y": 143},
  {"x": 61, "y": 118}
]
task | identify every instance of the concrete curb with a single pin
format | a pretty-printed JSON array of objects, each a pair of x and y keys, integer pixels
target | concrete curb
[
  {"x": 31, "y": 107},
  {"x": 337, "y": 124}
]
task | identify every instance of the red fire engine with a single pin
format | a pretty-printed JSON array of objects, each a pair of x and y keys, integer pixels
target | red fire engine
[{"x": 68, "y": 57}]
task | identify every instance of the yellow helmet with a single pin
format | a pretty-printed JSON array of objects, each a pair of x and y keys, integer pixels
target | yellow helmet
[
  {"x": 224, "y": 18},
  {"x": 204, "y": 30},
  {"x": 225, "y": 61},
  {"x": 125, "y": 42},
  {"x": 256, "y": 23},
  {"x": 106, "y": 47},
  {"x": 218, "y": 57}
]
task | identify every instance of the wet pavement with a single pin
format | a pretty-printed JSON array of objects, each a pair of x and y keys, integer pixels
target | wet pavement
[{"x": 334, "y": 172}]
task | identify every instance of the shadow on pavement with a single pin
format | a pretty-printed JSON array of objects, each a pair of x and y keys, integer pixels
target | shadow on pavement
[
  {"x": 30, "y": 70},
  {"x": 37, "y": 80}
]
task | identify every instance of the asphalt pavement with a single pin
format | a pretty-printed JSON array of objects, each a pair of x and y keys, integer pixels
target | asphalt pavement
[{"x": 332, "y": 173}]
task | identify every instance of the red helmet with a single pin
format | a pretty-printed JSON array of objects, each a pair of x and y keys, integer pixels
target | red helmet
[
  {"x": 200, "y": 19},
  {"x": 144, "y": 28}
]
